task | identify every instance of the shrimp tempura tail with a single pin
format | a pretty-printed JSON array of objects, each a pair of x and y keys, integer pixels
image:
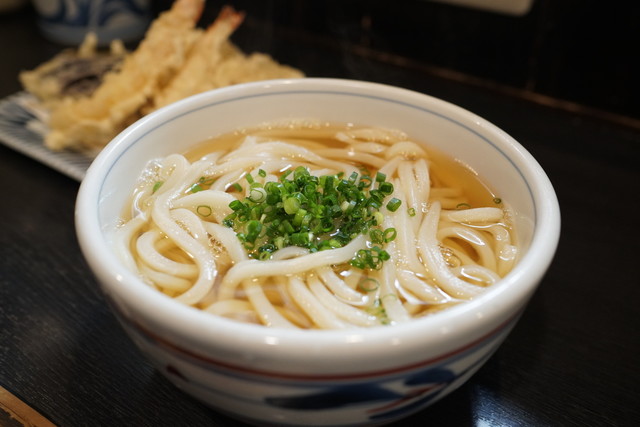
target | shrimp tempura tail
[{"x": 207, "y": 54}]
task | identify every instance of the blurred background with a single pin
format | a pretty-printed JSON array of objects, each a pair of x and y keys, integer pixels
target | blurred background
[
  {"x": 570, "y": 54},
  {"x": 573, "y": 54}
]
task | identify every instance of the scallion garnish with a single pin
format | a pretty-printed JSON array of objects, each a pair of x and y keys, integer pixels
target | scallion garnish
[
  {"x": 157, "y": 186},
  {"x": 258, "y": 195},
  {"x": 394, "y": 204},
  {"x": 203, "y": 183},
  {"x": 377, "y": 309},
  {"x": 317, "y": 213},
  {"x": 376, "y": 235},
  {"x": 235, "y": 187},
  {"x": 204, "y": 210},
  {"x": 370, "y": 258},
  {"x": 195, "y": 188},
  {"x": 390, "y": 235},
  {"x": 368, "y": 285}
]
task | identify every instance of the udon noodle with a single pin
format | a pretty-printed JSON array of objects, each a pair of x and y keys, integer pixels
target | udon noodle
[{"x": 451, "y": 237}]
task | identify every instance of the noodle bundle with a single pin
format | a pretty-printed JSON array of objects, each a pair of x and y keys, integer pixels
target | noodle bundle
[{"x": 436, "y": 235}]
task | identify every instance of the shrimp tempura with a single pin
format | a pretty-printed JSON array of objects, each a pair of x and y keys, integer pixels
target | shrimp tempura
[{"x": 92, "y": 121}]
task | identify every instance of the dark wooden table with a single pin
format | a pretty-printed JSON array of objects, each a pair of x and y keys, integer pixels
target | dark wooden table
[{"x": 572, "y": 360}]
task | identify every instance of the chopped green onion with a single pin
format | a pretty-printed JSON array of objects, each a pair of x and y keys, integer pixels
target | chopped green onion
[
  {"x": 314, "y": 212},
  {"x": 204, "y": 210},
  {"x": 206, "y": 181},
  {"x": 300, "y": 173},
  {"x": 411, "y": 211},
  {"x": 394, "y": 204},
  {"x": 370, "y": 258},
  {"x": 258, "y": 195},
  {"x": 291, "y": 205},
  {"x": 389, "y": 235},
  {"x": 386, "y": 188},
  {"x": 377, "y": 309},
  {"x": 235, "y": 187},
  {"x": 285, "y": 174},
  {"x": 463, "y": 205},
  {"x": 157, "y": 186},
  {"x": 497, "y": 200},
  {"x": 203, "y": 181},
  {"x": 253, "y": 230},
  {"x": 368, "y": 285},
  {"x": 376, "y": 235},
  {"x": 379, "y": 217},
  {"x": 365, "y": 182},
  {"x": 236, "y": 205},
  {"x": 299, "y": 217},
  {"x": 279, "y": 242}
]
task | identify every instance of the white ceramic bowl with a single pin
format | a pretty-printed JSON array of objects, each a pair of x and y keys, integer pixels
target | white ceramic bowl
[{"x": 362, "y": 376}]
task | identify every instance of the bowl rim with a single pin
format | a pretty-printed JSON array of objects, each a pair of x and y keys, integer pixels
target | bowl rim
[{"x": 196, "y": 325}]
